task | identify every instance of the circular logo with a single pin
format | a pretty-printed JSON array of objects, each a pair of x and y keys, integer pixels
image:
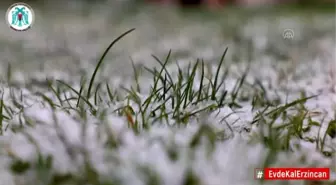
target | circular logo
[
  {"x": 288, "y": 34},
  {"x": 20, "y": 16}
]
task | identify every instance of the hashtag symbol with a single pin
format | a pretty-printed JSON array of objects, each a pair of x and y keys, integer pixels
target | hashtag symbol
[{"x": 259, "y": 173}]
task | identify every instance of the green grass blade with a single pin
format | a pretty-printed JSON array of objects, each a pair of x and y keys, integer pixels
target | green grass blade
[
  {"x": 55, "y": 92},
  {"x": 213, "y": 96},
  {"x": 201, "y": 84},
  {"x": 102, "y": 59},
  {"x": 96, "y": 93},
  {"x": 79, "y": 95},
  {"x": 109, "y": 92}
]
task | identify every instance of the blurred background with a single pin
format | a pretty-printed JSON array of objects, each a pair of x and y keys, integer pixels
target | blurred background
[
  {"x": 211, "y": 3},
  {"x": 68, "y": 36},
  {"x": 244, "y": 2}
]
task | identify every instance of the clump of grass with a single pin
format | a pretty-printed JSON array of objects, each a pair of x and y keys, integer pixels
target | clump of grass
[{"x": 175, "y": 100}]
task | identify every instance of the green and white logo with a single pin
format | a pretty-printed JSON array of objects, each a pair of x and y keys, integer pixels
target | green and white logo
[{"x": 20, "y": 16}]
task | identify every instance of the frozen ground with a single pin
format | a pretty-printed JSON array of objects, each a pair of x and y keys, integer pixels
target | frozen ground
[{"x": 109, "y": 139}]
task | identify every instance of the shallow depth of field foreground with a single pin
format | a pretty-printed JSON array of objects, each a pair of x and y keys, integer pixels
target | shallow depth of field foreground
[{"x": 185, "y": 98}]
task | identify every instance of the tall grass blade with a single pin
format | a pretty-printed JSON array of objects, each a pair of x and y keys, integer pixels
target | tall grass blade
[
  {"x": 213, "y": 95},
  {"x": 102, "y": 59}
]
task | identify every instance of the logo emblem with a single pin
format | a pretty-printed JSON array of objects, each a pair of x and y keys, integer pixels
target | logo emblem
[
  {"x": 20, "y": 16},
  {"x": 288, "y": 34}
]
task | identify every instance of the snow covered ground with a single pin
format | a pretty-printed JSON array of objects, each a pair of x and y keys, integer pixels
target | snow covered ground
[{"x": 52, "y": 135}]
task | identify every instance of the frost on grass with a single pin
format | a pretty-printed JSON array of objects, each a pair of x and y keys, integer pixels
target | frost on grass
[{"x": 194, "y": 123}]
